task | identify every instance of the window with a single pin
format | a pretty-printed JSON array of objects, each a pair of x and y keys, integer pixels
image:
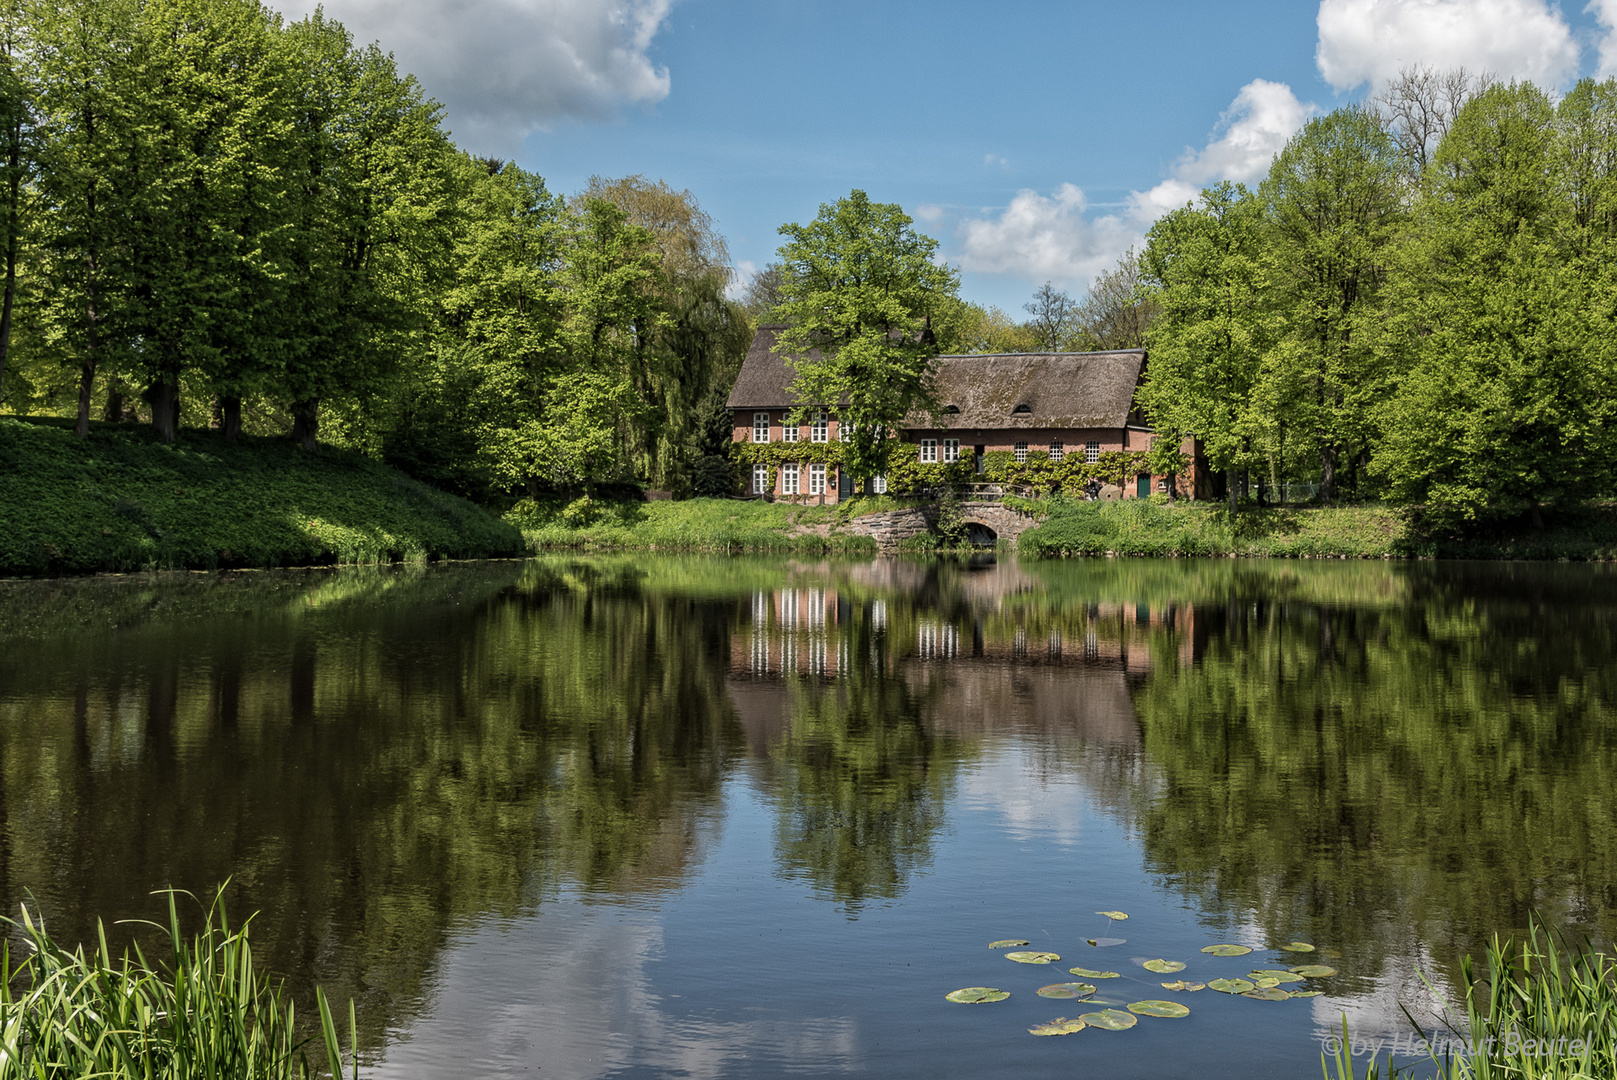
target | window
[
  {"x": 760, "y": 427},
  {"x": 878, "y": 486},
  {"x": 1058, "y": 449},
  {"x": 819, "y": 428},
  {"x": 1021, "y": 453},
  {"x": 929, "y": 449},
  {"x": 845, "y": 432},
  {"x": 816, "y": 479},
  {"x": 788, "y": 430},
  {"x": 1091, "y": 452},
  {"x": 951, "y": 450},
  {"x": 760, "y": 479},
  {"x": 788, "y": 478}
]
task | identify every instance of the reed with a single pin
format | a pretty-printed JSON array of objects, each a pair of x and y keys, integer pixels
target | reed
[
  {"x": 203, "y": 1012},
  {"x": 1542, "y": 1011}
]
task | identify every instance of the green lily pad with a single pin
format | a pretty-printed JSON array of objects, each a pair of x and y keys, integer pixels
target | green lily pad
[
  {"x": 1103, "y": 942},
  {"x": 1227, "y": 950},
  {"x": 1277, "y": 975},
  {"x": 1298, "y": 946},
  {"x": 1115, "y": 916},
  {"x": 1059, "y": 1026},
  {"x": 1183, "y": 985},
  {"x": 1265, "y": 984},
  {"x": 1306, "y": 993},
  {"x": 1086, "y": 973},
  {"x": 1109, "y": 1019},
  {"x": 1163, "y": 967},
  {"x": 1008, "y": 943},
  {"x": 1314, "y": 971},
  {"x": 1032, "y": 957},
  {"x": 1158, "y": 1008},
  {"x": 976, "y": 995},
  {"x": 1067, "y": 990},
  {"x": 1230, "y": 986},
  {"x": 1267, "y": 993}
]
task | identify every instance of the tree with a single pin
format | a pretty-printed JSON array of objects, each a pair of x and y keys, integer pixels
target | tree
[
  {"x": 1117, "y": 311},
  {"x": 16, "y": 163},
  {"x": 1420, "y": 106},
  {"x": 859, "y": 292},
  {"x": 763, "y": 294},
  {"x": 1333, "y": 200},
  {"x": 964, "y": 327},
  {"x": 1205, "y": 264},
  {"x": 1054, "y": 318}
]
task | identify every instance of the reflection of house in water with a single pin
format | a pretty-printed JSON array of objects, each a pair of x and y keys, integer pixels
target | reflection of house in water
[{"x": 1050, "y": 676}]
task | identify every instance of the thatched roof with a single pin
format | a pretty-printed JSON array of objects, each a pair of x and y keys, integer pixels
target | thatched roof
[{"x": 1060, "y": 390}]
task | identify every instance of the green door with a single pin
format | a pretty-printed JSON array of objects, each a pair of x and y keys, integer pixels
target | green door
[{"x": 1143, "y": 485}]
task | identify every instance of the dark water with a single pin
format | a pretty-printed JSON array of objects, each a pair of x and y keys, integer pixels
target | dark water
[{"x": 647, "y": 817}]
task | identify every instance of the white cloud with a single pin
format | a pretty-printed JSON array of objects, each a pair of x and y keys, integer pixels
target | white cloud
[
  {"x": 1040, "y": 238},
  {"x": 1606, "y": 13},
  {"x": 505, "y": 68},
  {"x": 1055, "y": 238},
  {"x": 740, "y": 277},
  {"x": 1370, "y": 41}
]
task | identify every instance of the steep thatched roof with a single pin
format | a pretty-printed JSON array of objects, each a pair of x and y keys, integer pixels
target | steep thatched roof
[{"x": 1059, "y": 390}]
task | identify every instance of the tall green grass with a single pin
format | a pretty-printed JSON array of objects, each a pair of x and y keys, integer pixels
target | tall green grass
[
  {"x": 717, "y": 525},
  {"x": 1542, "y": 1011},
  {"x": 203, "y": 1012}
]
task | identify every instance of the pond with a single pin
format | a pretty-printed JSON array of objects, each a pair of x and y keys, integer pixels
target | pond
[{"x": 656, "y": 817}]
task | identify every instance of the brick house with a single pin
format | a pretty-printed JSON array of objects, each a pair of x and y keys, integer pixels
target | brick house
[{"x": 1058, "y": 403}]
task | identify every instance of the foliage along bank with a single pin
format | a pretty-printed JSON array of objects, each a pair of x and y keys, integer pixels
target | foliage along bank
[{"x": 120, "y": 499}]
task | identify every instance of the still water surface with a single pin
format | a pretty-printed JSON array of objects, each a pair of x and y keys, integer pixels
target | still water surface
[{"x": 668, "y": 817}]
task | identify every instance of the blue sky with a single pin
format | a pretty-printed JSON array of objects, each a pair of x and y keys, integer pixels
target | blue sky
[{"x": 1035, "y": 141}]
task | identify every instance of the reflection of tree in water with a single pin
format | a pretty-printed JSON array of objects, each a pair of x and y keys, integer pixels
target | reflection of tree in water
[
  {"x": 373, "y": 760},
  {"x": 1431, "y": 769}
]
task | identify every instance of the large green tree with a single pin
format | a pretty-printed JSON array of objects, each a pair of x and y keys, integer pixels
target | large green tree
[{"x": 859, "y": 290}]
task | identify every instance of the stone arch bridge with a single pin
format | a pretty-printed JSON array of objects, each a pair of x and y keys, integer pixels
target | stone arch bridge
[{"x": 986, "y": 524}]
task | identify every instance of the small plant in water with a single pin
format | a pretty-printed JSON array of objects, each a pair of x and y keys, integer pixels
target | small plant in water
[{"x": 202, "y": 1011}]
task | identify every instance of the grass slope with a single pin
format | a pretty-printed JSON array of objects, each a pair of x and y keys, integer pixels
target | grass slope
[
  {"x": 120, "y": 500},
  {"x": 1146, "y": 528},
  {"x": 695, "y": 525}
]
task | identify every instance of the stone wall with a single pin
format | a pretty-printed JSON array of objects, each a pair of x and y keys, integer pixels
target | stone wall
[{"x": 891, "y": 528}]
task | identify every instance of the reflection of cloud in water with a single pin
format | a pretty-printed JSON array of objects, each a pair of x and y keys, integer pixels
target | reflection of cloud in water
[
  {"x": 1034, "y": 803},
  {"x": 566, "y": 994},
  {"x": 1377, "y": 1013}
]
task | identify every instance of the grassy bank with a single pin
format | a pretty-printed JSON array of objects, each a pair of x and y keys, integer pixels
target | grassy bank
[
  {"x": 120, "y": 501},
  {"x": 694, "y": 525},
  {"x": 1190, "y": 529}
]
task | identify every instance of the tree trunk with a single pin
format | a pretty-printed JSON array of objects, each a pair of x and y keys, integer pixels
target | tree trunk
[
  {"x": 230, "y": 410},
  {"x": 113, "y": 411},
  {"x": 1229, "y": 487},
  {"x": 1173, "y": 487},
  {"x": 86, "y": 385},
  {"x": 306, "y": 422},
  {"x": 1327, "y": 474},
  {"x": 13, "y": 229},
  {"x": 165, "y": 399}
]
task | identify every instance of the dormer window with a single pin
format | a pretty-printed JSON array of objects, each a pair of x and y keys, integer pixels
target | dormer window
[{"x": 1022, "y": 410}]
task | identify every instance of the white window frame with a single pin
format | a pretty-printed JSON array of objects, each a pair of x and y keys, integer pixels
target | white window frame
[
  {"x": 788, "y": 431},
  {"x": 760, "y": 427},
  {"x": 820, "y": 427},
  {"x": 816, "y": 479},
  {"x": 760, "y": 479},
  {"x": 790, "y": 472},
  {"x": 1019, "y": 451},
  {"x": 1058, "y": 449},
  {"x": 878, "y": 486},
  {"x": 845, "y": 431},
  {"x": 929, "y": 451},
  {"x": 1092, "y": 451},
  {"x": 951, "y": 451}
]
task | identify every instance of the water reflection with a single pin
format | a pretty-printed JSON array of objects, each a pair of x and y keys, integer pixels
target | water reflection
[{"x": 493, "y": 802}]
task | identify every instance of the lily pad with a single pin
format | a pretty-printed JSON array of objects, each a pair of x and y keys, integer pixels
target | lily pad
[
  {"x": 1103, "y": 942},
  {"x": 977, "y": 995},
  {"x": 1067, "y": 990},
  {"x": 1314, "y": 971},
  {"x": 1227, "y": 950},
  {"x": 1109, "y": 1019},
  {"x": 1267, "y": 993},
  {"x": 1278, "y": 975},
  {"x": 1059, "y": 1026},
  {"x": 1230, "y": 986},
  {"x": 1158, "y": 1008},
  {"x": 1298, "y": 946},
  {"x": 1032, "y": 957},
  {"x": 1115, "y": 916},
  {"x": 1008, "y": 943},
  {"x": 1265, "y": 984},
  {"x": 1306, "y": 993},
  {"x": 1183, "y": 985},
  {"x": 1086, "y": 973},
  {"x": 1163, "y": 967}
]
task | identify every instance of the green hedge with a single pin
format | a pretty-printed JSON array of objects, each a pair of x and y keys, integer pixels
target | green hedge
[{"x": 120, "y": 501}]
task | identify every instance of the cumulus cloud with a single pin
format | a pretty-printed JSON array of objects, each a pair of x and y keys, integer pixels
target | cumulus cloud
[
  {"x": 1055, "y": 237},
  {"x": 1045, "y": 237},
  {"x": 509, "y": 67},
  {"x": 1370, "y": 41},
  {"x": 1605, "y": 12}
]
